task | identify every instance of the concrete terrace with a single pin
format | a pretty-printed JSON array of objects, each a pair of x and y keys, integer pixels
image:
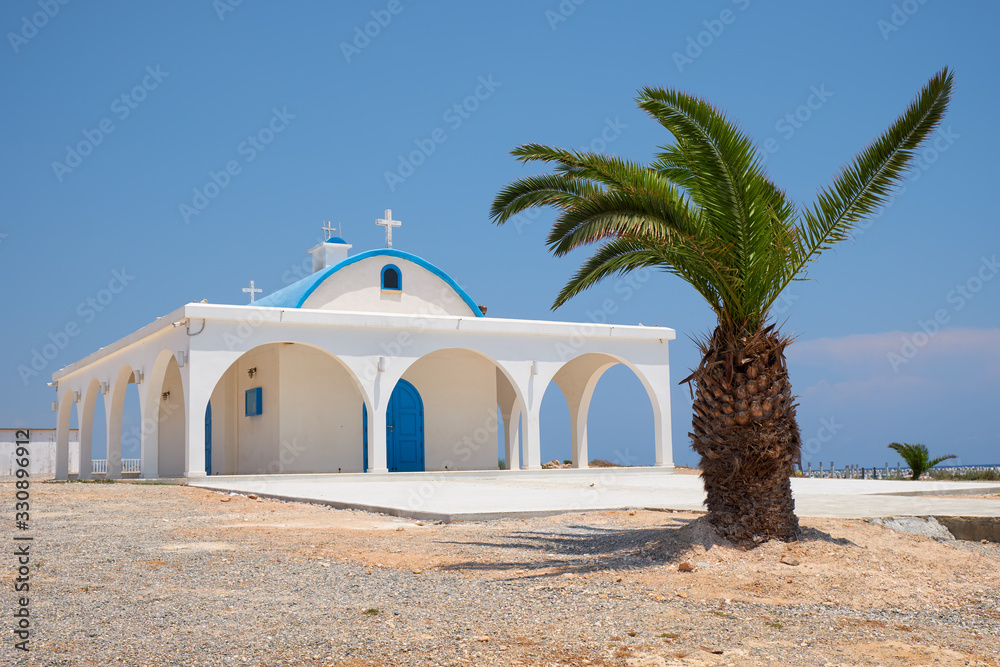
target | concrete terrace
[{"x": 489, "y": 495}]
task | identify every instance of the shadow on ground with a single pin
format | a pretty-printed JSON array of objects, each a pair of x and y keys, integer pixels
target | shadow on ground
[{"x": 581, "y": 548}]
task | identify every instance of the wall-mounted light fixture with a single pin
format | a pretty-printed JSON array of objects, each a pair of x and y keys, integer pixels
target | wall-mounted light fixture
[
  {"x": 251, "y": 372},
  {"x": 533, "y": 369},
  {"x": 165, "y": 395},
  {"x": 181, "y": 357},
  {"x": 138, "y": 376},
  {"x": 104, "y": 388},
  {"x": 76, "y": 397},
  {"x": 383, "y": 364}
]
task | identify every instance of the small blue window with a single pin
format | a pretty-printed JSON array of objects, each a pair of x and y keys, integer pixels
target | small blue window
[
  {"x": 255, "y": 404},
  {"x": 391, "y": 277}
]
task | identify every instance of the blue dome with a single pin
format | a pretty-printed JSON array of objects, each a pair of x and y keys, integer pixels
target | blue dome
[{"x": 336, "y": 239}]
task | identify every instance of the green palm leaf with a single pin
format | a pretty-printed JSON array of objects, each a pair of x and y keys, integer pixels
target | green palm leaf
[
  {"x": 869, "y": 181},
  {"x": 705, "y": 209}
]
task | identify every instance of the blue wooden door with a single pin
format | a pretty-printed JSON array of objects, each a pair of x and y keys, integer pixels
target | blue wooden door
[
  {"x": 404, "y": 430},
  {"x": 208, "y": 439}
]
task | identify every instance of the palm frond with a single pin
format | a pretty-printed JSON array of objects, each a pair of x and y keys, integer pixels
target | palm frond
[
  {"x": 549, "y": 189},
  {"x": 868, "y": 182},
  {"x": 934, "y": 462},
  {"x": 605, "y": 169},
  {"x": 705, "y": 208},
  {"x": 654, "y": 208},
  {"x": 622, "y": 256}
]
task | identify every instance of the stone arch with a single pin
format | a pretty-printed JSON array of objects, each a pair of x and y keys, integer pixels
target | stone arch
[
  {"x": 64, "y": 410},
  {"x": 556, "y": 442},
  {"x": 577, "y": 378},
  {"x": 119, "y": 385},
  {"x": 462, "y": 388},
  {"x": 152, "y": 419},
  {"x": 310, "y": 419},
  {"x": 168, "y": 415},
  {"x": 86, "y": 426}
]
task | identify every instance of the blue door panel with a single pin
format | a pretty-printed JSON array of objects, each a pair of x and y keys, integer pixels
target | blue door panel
[
  {"x": 404, "y": 436},
  {"x": 208, "y": 439}
]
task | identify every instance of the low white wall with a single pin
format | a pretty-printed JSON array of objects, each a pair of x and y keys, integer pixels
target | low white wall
[{"x": 42, "y": 451}]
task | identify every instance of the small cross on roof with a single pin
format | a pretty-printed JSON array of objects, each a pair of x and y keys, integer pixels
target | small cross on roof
[{"x": 252, "y": 290}]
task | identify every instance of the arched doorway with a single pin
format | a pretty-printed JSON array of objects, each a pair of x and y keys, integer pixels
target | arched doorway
[
  {"x": 281, "y": 408},
  {"x": 620, "y": 420},
  {"x": 170, "y": 420},
  {"x": 460, "y": 389},
  {"x": 404, "y": 438},
  {"x": 92, "y": 399},
  {"x": 627, "y": 403}
]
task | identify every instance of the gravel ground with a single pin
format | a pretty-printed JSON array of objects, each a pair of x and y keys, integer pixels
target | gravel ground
[{"x": 128, "y": 574}]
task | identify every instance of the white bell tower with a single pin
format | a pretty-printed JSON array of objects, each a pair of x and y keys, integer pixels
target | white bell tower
[{"x": 332, "y": 251}]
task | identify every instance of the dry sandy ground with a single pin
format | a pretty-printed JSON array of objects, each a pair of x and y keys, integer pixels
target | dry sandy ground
[{"x": 859, "y": 594}]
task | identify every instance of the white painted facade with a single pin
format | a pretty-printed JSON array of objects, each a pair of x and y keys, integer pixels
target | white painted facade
[
  {"x": 357, "y": 290},
  {"x": 335, "y": 344}
]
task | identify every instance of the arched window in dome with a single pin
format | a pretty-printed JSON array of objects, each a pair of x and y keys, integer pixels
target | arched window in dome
[{"x": 392, "y": 278}]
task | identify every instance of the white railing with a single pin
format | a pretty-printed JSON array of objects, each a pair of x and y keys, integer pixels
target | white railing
[{"x": 100, "y": 466}]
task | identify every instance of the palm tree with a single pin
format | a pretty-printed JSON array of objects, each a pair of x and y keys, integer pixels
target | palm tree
[
  {"x": 706, "y": 211},
  {"x": 917, "y": 457}
]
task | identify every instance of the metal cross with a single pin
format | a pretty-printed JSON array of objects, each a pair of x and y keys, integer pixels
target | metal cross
[
  {"x": 328, "y": 230},
  {"x": 252, "y": 290},
  {"x": 388, "y": 223}
]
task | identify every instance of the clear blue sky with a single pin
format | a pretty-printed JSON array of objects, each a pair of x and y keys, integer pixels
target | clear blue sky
[{"x": 352, "y": 108}]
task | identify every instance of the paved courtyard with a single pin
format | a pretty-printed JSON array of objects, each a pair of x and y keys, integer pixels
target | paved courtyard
[{"x": 487, "y": 495}]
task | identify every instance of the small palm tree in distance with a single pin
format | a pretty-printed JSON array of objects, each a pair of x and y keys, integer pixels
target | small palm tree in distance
[{"x": 917, "y": 457}]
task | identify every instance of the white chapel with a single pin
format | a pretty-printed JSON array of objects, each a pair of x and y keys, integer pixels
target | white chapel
[{"x": 378, "y": 362}]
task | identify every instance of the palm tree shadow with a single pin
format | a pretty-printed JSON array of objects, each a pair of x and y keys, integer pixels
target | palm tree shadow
[{"x": 584, "y": 549}]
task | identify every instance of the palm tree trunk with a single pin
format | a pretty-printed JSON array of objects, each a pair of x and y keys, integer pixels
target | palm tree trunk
[{"x": 747, "y": 436}]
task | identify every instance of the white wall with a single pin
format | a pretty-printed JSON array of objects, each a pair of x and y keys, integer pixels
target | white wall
[
  {"x": 459, "y": 391},
  {"x": 311, "y": 420},
  {"x": 320, "y": 420},
  {"x": 358, "y": 287},
  {"x": 170, "y": 454},
  {"x": 224, "y": 421},
  {"x": 42, "y": 451},
  {"x": 258, "y": 436}
]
